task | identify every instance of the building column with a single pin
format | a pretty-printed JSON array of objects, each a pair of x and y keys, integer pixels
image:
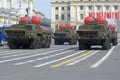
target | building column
[
  {"x": 94, "y": 11},
  {"x": 86, "y": 11},
  {"x": 4, "y": 3},
  {"x": 53, "y": 14},
  {"x": 103, "y": 11},
  {"x": 66, "y": 13},
  {"x": 119, "y": 11},
  {"x": 112, "y": 11},
  {"x": 72, "y": 13},
  {"x": 78, "y": 13},
  {"x": 53, "y": 19},
  {"x": 30, "y": 8},
  {"x": 59, "y": 11}
]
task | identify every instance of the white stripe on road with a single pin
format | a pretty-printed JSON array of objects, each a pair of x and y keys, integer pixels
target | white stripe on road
[
  {"x": 53, "y": 61},
  {"x": 82, "y": 59},
  {"x": 26, "y": 53},
  {"x": 11, "y": 52},
  {"x": 38, "y": 59},
  {"x": 104, "y": 58},
  {"x": 14, "y": 59}
]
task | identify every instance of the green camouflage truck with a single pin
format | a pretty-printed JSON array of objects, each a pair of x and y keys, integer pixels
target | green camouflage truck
[
  {"x": 94, "y": 33},
  {"x": 113, "y": 34},
  {"x": 29, "y": 35},
  {"x": 65, "y": 34}
]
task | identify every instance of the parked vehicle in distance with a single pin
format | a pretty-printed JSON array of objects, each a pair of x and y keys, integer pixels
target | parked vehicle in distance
[{"x": 65, "y": 34}]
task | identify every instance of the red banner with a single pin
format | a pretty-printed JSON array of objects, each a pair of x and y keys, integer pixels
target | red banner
[{"x": 113, "y": 15}]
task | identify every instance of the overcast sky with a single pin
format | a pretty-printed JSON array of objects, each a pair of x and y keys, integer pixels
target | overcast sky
[{"x": 43, "y": 6}]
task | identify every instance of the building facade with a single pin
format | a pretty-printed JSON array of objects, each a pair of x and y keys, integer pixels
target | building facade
[
  {"x": 11, "y": 11},
  {"x": 74, "y": 11}
]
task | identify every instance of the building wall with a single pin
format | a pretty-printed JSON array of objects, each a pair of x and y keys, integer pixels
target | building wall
[
  {"x": 11, "y": 11},
  {"x": 79, "y": 9}
]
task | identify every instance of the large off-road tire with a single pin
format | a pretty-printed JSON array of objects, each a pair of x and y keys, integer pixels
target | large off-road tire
[
  {"x": 56, "y": 42},
  {"x": 71, "y": 42},
  {"x": 0, "y": 43},
  {"x": 11, "y": 45},
  {"x": 61, "y": 43},
  {"x": 40, "y": 42},
  {"x": 17, "y": 46},
  {"x": 81, "y": 46},
  {"x": 48, "y": 44},
  {"x": 115, "y": 41},
  {"x": 75, "y": 41},
  {"x": 87, "y": 46},
  {"x": 34, "y": 43},
  {"x": 25, "y": 46},
  {"x": 106, "y": 44}
]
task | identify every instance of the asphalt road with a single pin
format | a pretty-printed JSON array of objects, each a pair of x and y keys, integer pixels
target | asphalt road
[{"x": 61, "y": 62}]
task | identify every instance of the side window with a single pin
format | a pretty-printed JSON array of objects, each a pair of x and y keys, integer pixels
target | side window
[
  {"x": 74, "y": 27},
  {"x": 34, "y": 27}
]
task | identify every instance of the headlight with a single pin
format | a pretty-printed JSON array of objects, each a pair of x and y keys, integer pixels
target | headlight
[
  {"x": 31, "y": 34},
  {"x": 78, "y": 37},
  {"x": 104, "y": 34},
  {"x": 5, "y": 34}
]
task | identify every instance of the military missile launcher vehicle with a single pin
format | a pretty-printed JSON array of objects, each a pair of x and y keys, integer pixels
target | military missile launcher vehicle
[
  {"x": 96, "y": 32},
  {"x": 65, "y": 34},
  {"x": 113, "y": 34},
  {"x": 29, "y": 34}
]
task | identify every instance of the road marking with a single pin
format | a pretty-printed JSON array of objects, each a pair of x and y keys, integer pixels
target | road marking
[
  {"x": 14, "y": 59},
  {"x": 73, "y": 59},
  {"x": 26, "y": 53},
  {"x": 53, "y": 61},
  {"x": 11, "y": 52},
  {"x": 82, "y": 59},
  {"x": 38, "y": 59},
  {"x": 104, "y": 58}
]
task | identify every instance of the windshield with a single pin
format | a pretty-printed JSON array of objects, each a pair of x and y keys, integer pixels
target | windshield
[{"x": 30, "y": 27}]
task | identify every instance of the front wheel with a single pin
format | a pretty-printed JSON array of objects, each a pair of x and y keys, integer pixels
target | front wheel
[
  {"x": 106, "y": 44},
  {"x": 34, "y": 43},
  {"x": 115, "y": 41},
  {"x": 81, "y": 46}
]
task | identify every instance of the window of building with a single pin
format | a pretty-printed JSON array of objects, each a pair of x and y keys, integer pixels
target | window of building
[
  {"x": 81, "y": 7},
  {"x": 116, "y": 7},
  {"x": 98, "y": 7},
  {"x": 62, "y": 16},
  {"x": 68, "y": 8},
  {"x": 81, "y": 16},
  {"x": 56, "y": 8},
  {"x": 56, "y": 17},
  {"x": 90, "y": 7},
  {"x": 107, "y": 7},
  {"x": 63, "y": 8},
  {"x": 68, "y": 17}
]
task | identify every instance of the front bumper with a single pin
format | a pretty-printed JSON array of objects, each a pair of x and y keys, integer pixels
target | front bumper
[
  {"x": 59, "y": 39},
  {"x": 91, "y": 40},
  {"x": 19, "y": 39}
]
